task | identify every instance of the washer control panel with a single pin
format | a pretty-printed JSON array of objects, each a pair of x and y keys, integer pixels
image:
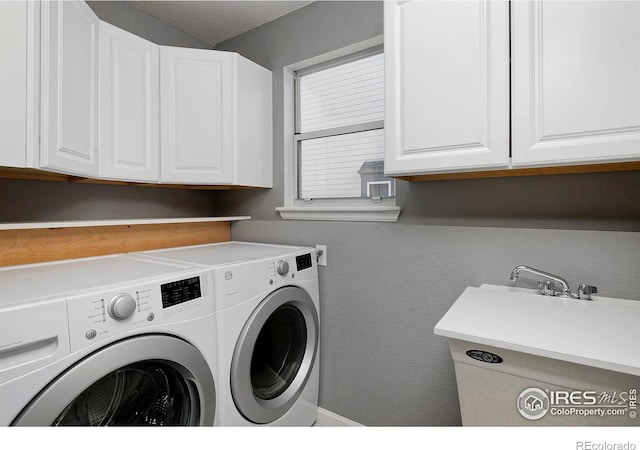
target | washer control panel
[
  {"x": 181, "y": 291},
  {"x": 282, "y": 267},
  {"x": 121, "y": 306},
  {"x": 97, "y": 315}
]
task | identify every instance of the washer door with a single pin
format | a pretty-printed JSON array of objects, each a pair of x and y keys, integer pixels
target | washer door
[
  {"x": 144, "y": 380},
  {"x": 274, "y": 355}
]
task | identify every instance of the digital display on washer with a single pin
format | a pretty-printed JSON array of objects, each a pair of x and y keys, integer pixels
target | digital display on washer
[
  {"x": 303, "y": 262},
  {"x": 180, "y": 291}
]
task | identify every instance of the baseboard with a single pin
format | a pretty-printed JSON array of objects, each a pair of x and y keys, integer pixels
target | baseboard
[{"x": 327, "y": 418}]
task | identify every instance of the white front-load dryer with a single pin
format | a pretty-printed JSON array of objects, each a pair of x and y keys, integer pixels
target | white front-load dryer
[
  {"x": 268, "y": 330},
  {"x": 114, "y": 340}
]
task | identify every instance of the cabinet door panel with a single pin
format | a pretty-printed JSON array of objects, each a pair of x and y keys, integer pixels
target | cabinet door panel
[
  {"x": 253, "y": 159},
  {"x": 196, "y": 116},
  {"x": 69, "y": 141},
  {"x": 16, "y": 81},
  {"x": 576, "y": 82},
  {"x": 447, "y": 85},
  {"x": 129, "y": 87}
]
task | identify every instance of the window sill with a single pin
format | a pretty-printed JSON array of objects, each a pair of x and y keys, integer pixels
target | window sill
[{"x": 346, "y": 214}]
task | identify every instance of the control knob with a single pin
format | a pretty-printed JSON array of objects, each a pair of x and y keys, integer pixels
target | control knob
[
  {"x": 282, "y": 267},
  {"x": 122, "y": 306}
]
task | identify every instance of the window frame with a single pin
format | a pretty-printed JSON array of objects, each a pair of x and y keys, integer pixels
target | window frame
[{"x": 343, "y": 209}]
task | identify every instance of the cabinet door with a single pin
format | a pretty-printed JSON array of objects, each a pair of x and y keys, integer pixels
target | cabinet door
[
  {"x": 446, "y": 86},
  {"x": 129, "y": 110},
  {"x": 253, "y": 161},
  {"x": 576, "y": 82},
  {"x": 69, "y": 130},
  {"x": 196, "y": 116},
  {"x": 18, "y": 84}
]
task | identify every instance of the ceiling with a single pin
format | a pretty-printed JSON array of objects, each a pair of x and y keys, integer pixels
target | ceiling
[{"x": 216, "y": 21}]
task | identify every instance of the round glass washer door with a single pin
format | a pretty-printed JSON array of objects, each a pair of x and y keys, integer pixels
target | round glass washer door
[
  {"x": 274, "y": 355},
  {"x": 150, "y": 380}
]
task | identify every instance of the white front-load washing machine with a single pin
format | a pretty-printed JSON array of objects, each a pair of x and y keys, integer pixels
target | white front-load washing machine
[
  {"x": 268, "y": 324},
  {"x": 114, "y": 340}
]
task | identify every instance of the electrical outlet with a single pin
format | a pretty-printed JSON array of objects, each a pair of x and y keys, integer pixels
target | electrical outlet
[{"x": 321, "y": 253}]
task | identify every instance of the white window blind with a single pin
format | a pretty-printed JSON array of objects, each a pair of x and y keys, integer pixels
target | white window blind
[
  {"x": 330, "y": 166},
  {"x": 340, "y": 134},
  {"x": 347, "y": 94}
]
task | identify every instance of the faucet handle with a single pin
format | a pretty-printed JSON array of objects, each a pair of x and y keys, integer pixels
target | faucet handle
[
  {"x": 585, "y": 291},
  {"x": 548, "y": 287}
]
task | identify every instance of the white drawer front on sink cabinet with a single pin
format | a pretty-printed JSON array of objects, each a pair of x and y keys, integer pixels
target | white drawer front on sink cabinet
[
  {"x": 129, "y": 108},
  {"x": 576, "y": 82}
]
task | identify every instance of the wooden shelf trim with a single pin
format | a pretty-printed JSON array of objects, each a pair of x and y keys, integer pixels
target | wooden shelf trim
[
  {"x": 16, "y": 173},
  {"x": 114, "y": 222},
  {"x": 526, "y": 172},
  {"x": 26, "y": 246}
]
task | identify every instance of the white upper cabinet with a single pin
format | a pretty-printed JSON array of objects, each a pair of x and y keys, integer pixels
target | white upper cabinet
[
  {"x": 215, "y": 119},
  {"x": 69, "y": 113},
  {"x": 82, "y": 97},
  {"x": 575, "y": 94},
  {"x": 253, "y": 125},
  {"x": 576, "y": 82},
  {"x": 129, "y": 106},
  {"x": 446, "y": 86},
  {"x": 196, "y": 116},
  {"x": 18, "y": 83}
]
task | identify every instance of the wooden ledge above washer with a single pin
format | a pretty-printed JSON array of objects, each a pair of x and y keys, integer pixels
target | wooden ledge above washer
[{"x": 33, "y": 242}]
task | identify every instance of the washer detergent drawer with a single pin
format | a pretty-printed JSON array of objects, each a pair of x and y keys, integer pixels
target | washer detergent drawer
[{"x": 32, "y": 337}]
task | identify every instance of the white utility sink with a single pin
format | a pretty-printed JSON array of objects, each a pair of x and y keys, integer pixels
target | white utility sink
[
  {"x": 513, "y": 347},
  {"x": 603, "y": 332}
]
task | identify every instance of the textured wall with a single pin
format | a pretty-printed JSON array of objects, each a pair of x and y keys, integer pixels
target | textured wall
[
  {"x": 386, "y": 285},
  {"x": 144, "y": 25},
  {"x": 310, "y": 31},
  {"x": 26, "y": 201}
]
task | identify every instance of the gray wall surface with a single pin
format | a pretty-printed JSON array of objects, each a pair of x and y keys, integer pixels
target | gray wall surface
[
  {"x": 139, "y": 22},
  {"x": 307, "y": 32},
  {"x": 386, "y": 285},
  {"x": 25, "y": 200}
]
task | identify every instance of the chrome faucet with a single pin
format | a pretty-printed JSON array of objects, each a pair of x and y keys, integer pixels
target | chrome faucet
[{"x": 548, "y": 286}]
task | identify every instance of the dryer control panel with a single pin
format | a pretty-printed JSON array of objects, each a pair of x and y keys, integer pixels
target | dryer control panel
[
  {"x": 237, "y": 282},
  {"x": 303, "y": 261},
  {"x": 101, "y": 314},
  {"x": 289, "y": 267}
]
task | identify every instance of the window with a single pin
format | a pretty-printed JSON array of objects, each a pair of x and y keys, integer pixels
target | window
[{"x": 334, "y": 160}]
